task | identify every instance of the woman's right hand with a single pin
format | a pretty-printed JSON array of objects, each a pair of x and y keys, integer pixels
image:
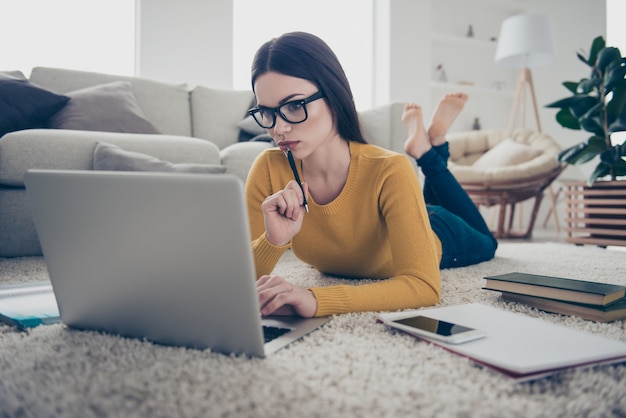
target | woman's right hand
[{"x": 283, "y": 213}]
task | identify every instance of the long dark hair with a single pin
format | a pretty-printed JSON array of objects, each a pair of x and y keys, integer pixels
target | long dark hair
[{"x": 303, "y": 55}]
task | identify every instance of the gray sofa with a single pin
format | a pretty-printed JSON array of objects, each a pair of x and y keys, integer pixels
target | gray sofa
[{"x": 200, "y": 125}]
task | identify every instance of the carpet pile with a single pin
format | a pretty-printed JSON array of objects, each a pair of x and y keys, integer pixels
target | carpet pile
[{"x": 352, "y": 367}]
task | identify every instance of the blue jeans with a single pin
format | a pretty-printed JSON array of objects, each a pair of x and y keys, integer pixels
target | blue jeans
[{"x": 465, "y": 237}]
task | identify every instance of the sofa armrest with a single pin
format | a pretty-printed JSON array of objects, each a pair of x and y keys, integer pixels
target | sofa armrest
[
  {"x": 382, "y": 126},
  {"x": 60, "y": 149}
]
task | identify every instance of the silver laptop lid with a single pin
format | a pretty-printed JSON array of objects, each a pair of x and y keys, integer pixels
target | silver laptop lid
[{"x": 165, "y": 257}]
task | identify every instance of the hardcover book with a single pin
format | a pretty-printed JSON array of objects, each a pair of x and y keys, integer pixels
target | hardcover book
[
  {"x": 598, "y": 313},
  {"x": 580, "y": 291},
  {"x": 28, "y": 305}
]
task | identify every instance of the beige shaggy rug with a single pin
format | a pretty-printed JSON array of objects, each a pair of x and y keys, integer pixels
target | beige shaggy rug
[{"x": 352, "y": 367}]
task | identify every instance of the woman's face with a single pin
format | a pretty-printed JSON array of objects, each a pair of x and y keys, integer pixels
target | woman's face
[{"x": 274, "y": 89}]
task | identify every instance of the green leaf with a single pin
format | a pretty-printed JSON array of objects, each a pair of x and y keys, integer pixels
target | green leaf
[
  {"x": 606, "y": 57},
  {"x": 593, "y": 124},
  {"x": 596, "y": 46},
  {"x": 588, "y": 84},
  {"x": 567, "y": 120},
  {"x": 617, "y": 125},
  {"x": 578, "y": 103},
  {"x": 583, "y": 59},
  {"x": 572, "y": 86},
  {"x": 600, "y": 171},
  {"x": 568, "y": 155},
  {"x": 616, "y": 107},
  {"x": 614, "y": 75},
  {"x": 578, "y": 154},
  {"x": 597, "y": 143},
  {"x": 620, "y": 168},
  {"x": 611, "y": 156}
]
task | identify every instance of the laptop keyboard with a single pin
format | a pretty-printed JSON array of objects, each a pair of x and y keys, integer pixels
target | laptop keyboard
[{"x": 271, "y": 333}]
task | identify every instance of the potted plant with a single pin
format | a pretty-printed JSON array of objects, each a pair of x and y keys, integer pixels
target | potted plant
[{"x": 597, "y": 209}]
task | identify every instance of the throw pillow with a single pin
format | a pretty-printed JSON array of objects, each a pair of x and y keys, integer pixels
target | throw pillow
[
  {"x": 110, "y": 107},
  {"x": 109, "y": 157},
  {"x": 24, "y": 105},
  {"x": 248, "y": 129},
  {"x": 506, "y": 153},
  {"x": 250, "y": 126}
]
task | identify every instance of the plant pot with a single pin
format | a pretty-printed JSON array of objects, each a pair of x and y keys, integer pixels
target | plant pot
[{"x": 596, "y": 214}]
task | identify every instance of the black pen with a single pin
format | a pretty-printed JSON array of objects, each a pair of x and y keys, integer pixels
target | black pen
[{"x": 292, "y": 164}]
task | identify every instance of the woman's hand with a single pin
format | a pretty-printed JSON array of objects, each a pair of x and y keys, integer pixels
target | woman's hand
[
  {"x": 279, "y": 297},
  {"x": 283, "y": 213}
]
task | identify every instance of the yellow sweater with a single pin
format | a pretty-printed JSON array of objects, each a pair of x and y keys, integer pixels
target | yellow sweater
[{"x": 376, "y": 228}]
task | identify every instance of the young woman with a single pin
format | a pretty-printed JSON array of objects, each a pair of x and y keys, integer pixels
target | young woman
[{"x": 368, "y": 217}]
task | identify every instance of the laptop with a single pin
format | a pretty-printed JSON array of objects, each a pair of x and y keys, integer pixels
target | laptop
[{"x": 158, "y": 256}]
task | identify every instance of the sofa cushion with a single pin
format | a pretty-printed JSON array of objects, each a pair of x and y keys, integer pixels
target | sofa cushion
[
  {"x": 61, "y": 149},
  {"x": 15, "y": 73},
  {"x": 216, "y": 114},
  {"x": 165, "y": 105},
  {"x": 24, "y": 105},
  {"x": 109, "y": 157},
  {"x": 110, "y": 107}
]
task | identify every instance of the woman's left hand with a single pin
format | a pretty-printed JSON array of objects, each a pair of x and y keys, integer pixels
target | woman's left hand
[{"x": 279, "y": 297}]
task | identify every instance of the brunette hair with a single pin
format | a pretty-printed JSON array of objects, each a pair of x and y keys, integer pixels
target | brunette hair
[{"x": 303, "y": 55}]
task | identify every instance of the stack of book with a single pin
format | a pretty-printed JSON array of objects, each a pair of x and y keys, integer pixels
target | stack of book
[{"x": 601, "y": 302}]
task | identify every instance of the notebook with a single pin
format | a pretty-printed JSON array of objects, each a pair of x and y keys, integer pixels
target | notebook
[
  {"x": 157, "y": 256},
  {"x": 521, "y": 347}
]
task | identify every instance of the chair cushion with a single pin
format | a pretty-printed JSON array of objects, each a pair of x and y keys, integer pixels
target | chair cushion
[
  {"x": 468, "y": 147},
  {"x": 506, "y": 153}
]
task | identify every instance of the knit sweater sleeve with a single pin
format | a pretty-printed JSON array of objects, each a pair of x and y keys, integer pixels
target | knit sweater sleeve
[{"x": 258, "y": 187}]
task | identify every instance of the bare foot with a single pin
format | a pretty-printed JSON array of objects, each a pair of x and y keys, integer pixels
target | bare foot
[
  {"x": 445, "y": 113},
  {"x": 417, "y": 143}
]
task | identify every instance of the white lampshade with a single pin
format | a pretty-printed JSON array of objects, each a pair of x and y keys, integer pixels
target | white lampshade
[{"x": 526, "y": 40}]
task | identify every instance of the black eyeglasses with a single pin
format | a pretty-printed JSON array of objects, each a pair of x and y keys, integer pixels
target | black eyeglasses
[{"x": 292, "y": 112}]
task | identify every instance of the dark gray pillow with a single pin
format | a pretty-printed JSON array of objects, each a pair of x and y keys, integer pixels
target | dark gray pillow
[
  {"x": 248, "y": 129},
  {"x": 249, "y": 125},
  {"x": 109, "y": 157},
  {"x": 24, "y": 105},
  {"x": 110, "y": 107}
]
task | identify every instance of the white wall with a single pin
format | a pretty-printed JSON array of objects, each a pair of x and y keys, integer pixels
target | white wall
[
  {"x": 403, "y": 41},
  {"x": 191, "y": 41},
  {"x": 576, "y": 24},
  {"x": 185, "y": 41}
]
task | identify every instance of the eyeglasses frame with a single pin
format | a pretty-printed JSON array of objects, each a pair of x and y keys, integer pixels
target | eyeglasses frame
[{"x": 276, "y": 110}]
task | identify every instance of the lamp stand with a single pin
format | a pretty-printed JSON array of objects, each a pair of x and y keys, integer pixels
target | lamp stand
[{"x": 525, "y": 80}]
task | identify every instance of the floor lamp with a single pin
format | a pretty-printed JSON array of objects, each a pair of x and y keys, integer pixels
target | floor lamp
[{"x": 526, "y": 41}]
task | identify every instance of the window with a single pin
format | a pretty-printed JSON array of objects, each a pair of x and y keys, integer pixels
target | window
[
  {"x": 350, "y": 38},
  {"x": 96, "y": 35},
  {"x": 615, "y": 29}
]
